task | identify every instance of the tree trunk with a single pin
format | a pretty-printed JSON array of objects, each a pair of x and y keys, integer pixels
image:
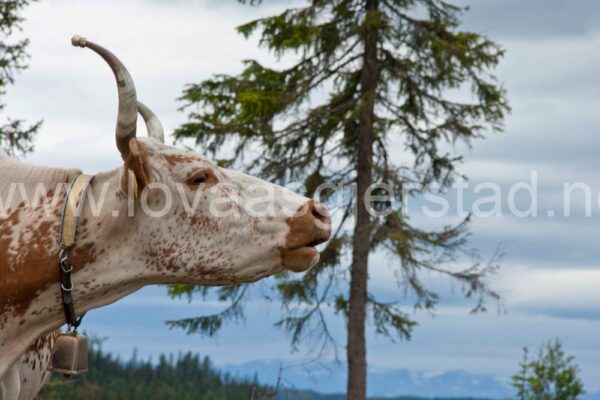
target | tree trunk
[{"x": 356, "y": 351}]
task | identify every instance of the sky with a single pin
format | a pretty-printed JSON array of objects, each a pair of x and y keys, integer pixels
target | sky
[{"x": 550, "y": 274}]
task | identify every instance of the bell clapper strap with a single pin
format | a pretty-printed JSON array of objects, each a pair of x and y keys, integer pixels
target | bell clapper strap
[{"x": 68, "y": 228}]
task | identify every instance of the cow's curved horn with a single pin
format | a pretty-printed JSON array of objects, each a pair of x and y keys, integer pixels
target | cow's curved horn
[
  {"x": 153, "y": 125},
  {"x": 127, "y": 118}
]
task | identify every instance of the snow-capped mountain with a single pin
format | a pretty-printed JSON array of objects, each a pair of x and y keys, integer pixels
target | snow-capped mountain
[{"x": 331, "y": 378}]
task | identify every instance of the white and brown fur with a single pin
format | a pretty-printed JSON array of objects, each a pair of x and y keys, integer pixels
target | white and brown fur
[{"x": 116, "y": 253}]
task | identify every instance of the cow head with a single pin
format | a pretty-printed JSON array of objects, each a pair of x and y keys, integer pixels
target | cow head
[{"x": 196, "y": 222}]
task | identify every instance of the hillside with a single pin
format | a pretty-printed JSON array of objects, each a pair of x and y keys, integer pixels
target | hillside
[{"x": 185, "y": 377}]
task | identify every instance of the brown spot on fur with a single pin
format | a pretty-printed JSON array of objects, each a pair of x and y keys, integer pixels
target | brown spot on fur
[
  {"x": 43, "y": 342},
  {"x": 84, "y": 255},
  {"x": 174, "y": 159},
  {"x": 29, "y": 258},
  {"x": 28, "y": 270}
]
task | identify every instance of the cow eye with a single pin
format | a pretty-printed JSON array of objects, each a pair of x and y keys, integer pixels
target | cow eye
[{"x": 200, "y": 179}]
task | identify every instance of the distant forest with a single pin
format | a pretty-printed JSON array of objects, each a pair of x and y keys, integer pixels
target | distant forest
[{"x": 185, "y": 377}]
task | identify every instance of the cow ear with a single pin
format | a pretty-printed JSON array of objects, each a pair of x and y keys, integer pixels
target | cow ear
[{"x": 136, "y": 174}]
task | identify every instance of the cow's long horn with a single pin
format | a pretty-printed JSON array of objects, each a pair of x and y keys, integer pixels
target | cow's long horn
[
  {"x": 153, "y": 125},
  {"x": 126, "y": 120}
]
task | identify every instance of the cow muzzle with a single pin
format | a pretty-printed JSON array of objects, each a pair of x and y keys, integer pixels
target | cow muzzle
[{"x": 309, "y": 227}]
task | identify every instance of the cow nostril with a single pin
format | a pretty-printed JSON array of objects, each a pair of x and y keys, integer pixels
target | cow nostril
[
  {"x": 319, "y": 211},
  {"x": 322, "y": 223}
]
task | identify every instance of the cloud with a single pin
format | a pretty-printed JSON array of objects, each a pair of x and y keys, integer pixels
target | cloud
[
  {"x": 533, "y": 19},
  {"x": 572, "y": 290},
  {"x": 73, "y": 91}
]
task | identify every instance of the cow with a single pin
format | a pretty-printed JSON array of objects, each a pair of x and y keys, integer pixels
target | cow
[
  {"x": 31, "y": 372},
  {"x": 215, "y": 227}
]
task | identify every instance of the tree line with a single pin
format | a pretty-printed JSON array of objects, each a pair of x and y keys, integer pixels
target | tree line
[
  {"x": 549, "y": 374},
  {"x": 184, "y": 377}
]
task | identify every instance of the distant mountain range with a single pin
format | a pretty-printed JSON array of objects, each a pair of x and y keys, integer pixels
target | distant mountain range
[
  {"x": 311, "y": 395},
  {"x": 325, "y": 382}
]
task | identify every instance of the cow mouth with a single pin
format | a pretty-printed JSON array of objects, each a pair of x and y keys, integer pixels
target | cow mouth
[
  {"x": 307, "y": 230},
  {"x": 300, "y": 259}
]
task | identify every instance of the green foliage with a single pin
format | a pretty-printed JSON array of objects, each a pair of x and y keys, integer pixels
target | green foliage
[
  {"x": 551, "y": 376},
  {"x": 15, "y": 136},
  {"x": 209, "y": 325},
  {"x": 434, "y": 88},
  {"x": 185, "y": 377}
]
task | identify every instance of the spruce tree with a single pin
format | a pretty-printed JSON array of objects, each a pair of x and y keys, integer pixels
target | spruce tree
[
  {"x": 15, "y": 135},
  {"x": 552, "y": 375},
  {"x": 366, "y": 75}
]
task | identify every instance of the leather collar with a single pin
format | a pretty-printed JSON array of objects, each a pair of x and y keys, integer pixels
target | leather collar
[
  {"x": 73, "y": 206},
  {"x": 68, "y": 229}
]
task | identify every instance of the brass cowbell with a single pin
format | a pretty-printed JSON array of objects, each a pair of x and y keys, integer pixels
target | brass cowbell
[{"x": 70, "y": 354}]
